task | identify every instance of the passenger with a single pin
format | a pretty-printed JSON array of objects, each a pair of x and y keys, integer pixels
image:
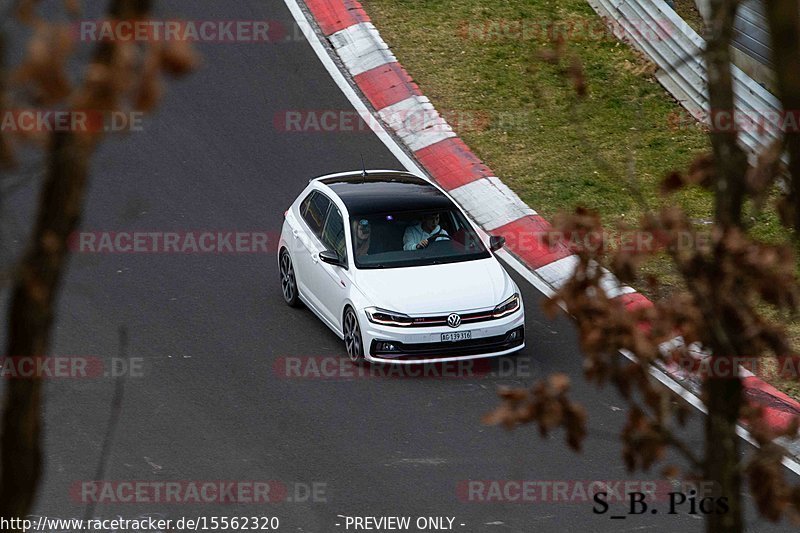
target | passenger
[
  {"x": 362, "y": 234},
  {"x": 416, "y": 237}
]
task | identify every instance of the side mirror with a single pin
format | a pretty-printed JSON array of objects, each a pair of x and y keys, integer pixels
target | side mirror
[
  {"x": 330, "y": 257},
  {"x": 496, "y": 242}
]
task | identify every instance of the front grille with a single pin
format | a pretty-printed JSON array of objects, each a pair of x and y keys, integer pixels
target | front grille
[
  {"x": 428, "y": 350},
  {"x": 466, "y": 318}
]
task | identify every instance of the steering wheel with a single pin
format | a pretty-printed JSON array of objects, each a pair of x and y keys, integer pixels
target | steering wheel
[{"x": 438, "y": 235}]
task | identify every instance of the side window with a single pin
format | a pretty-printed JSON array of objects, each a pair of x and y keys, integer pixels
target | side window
[
  {"x": 333, "y": 234},
  {"x": 313, "y": 210}
]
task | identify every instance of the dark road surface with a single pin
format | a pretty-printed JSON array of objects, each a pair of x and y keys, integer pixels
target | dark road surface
[{"x": 209, "y": 328}]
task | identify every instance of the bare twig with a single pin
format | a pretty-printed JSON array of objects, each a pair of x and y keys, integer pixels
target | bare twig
[{"x": 113, "y": 420}]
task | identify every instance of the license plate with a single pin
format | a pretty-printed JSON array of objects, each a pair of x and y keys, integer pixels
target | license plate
[{"x": 456, "y": 336}]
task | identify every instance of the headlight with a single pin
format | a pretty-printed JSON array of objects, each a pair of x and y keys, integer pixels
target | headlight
[
  {"x": 506, "y": 308},
  {"x": 387, "y": 318}
]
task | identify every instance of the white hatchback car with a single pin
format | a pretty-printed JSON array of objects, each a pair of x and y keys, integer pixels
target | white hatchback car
[{"x": 392, "y": 265}]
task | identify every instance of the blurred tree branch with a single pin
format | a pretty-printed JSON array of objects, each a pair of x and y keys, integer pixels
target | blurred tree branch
[
  {"x": 728, "y": 279},
  {"x": 117, "y": 73},
  {"x": 784, "y": 24}
]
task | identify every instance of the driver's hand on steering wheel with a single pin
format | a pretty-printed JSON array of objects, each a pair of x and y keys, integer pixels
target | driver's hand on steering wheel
[{"x": 422, "y": 244}]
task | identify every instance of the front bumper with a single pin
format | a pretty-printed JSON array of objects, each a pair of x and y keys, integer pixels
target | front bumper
[{"x": 424, "y": 345}]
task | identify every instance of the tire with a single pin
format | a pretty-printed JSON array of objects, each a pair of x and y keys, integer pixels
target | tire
[
  {"x": 288, "y": 281},
  {"x": 353, "y": 342}
]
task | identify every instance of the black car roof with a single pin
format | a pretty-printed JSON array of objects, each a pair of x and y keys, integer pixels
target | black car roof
[{"x": 386, "y": 193}]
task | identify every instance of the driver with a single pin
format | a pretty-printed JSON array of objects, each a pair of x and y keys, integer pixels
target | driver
[{"x": 417, "y": 237}]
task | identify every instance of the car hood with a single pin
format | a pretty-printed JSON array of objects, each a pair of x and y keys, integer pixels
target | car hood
[{"x": 434, "y": 289}]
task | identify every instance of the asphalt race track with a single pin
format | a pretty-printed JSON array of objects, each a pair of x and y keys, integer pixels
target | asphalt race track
[{"x": 209, "y": 328}]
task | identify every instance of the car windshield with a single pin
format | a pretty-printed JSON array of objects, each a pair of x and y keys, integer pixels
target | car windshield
[{"x": 414, "y": 238}]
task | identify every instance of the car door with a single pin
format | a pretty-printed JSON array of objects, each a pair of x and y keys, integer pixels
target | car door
[
  {"x": 313, "y": 213},
  {"x": 329, "y": 281}
]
